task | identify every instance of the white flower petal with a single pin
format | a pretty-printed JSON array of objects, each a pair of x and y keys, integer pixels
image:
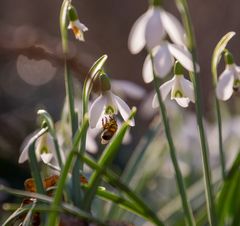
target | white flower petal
[
  {"x": 182, "y": 101},
  {"x": 96, "y": 110},
  {"x": 165, "y": 89},
  {"x": 147, "y": 71},
  {"x": 183, "y": 56},
  {"x": 91, "y": 144},
  {"x": 173, "y": 28},
  {"x": 123, "y": 109},
  {"x": 163, "y": 61},
  {"x": 126, "y": 88},
  {"x": 224, "y": 87},
  {"x": 81, "y": 26},
  {"x": 25, "y": 146},
  {"x": 136, "y": 40},
  {"x": 46, "y": 157},
  {"x": 154, "y": 31},
  {"x": 188, "y": 90}
]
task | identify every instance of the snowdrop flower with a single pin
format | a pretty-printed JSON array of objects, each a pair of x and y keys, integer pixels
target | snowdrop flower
[
  {"x": 181, "y": 89},
  {"x": 44, "y": 148},
  {"x": 229, "y": 80},
  {"x": 107, "y": 104},
  {"x": 77, "y": 27},
  {"x": 151, "y": 28},
  {"x": 163, "y": 60}
]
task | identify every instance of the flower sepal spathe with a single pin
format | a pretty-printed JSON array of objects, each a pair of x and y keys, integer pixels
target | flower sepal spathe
[
  {"x": 181, "y": 89},
  {"x": 108, "y": 104},
  {"x": 229, "y": 81}
]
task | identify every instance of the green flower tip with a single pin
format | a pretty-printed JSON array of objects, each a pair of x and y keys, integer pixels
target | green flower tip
[
  {"x": 110, "y": 110},
  {"x": 105, "y": 82},
  {"x": 178, "y": 68},
  {"x": 228, "y": 57},
  {"x": 72, "y": 13},
  {"x": 155, "y": 2}
]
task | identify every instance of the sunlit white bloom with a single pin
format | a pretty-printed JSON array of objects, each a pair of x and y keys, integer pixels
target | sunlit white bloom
[
  {"x": 78, "y": 29},
  {"x": 181, "y": 91},
  {"x": 151, "y": 28},
  {"x": 44, "y": 148},
  {"x": 163, "y": 60},
  {"x": 228, "y": 82},
  {"x": 108, "y": 104}
]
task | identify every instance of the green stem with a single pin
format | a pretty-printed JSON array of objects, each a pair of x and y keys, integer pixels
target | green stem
[
  {"x": 221, "y": 151},
  {"x": 63, "y": 176},
  {"x": 186, "y": 206},
  {"x": 183, "y": 8},
  {"x": 67, "y": 75},
  {"x": 106, "y": 159},
  {"x": 69, "y": 208},
  {"x": 70, "y": 97},
  {"x": 113, "y": 179},
  {"x": 34, "y": 163}
]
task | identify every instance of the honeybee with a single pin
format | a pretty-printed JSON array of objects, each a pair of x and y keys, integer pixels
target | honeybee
[{"x": 109, "y": 129}]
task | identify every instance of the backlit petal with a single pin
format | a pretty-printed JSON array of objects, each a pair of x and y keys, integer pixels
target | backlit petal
[
  {"x": 136, "y": 40},
  {"x": 46, "y": 157},
  {"x": 147, "y": 70},
  {"x": 224, "y": 87},
  {"x": 183, "y": 56},
  {"x": 165, "y": 89},
  {"x": 187, "y": 88},
  {"x": 182, "y": 101},
  {"x": 163, "y": 61},
  {"x": 154, "y": 32},
  {"x": 96, "y": 110},
  {"x": 173, "y": 28},
  {"x": 123, "y": 109}
]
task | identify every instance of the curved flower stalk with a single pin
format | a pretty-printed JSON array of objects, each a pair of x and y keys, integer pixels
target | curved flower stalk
[
  {"x": 107, "y": 104},
  {"x": 181, "y": 89},
  {"x": 229, "y": 80},
  {"x": 77, "y": 27}
]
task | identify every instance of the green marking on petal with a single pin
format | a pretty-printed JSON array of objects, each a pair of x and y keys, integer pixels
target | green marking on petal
[
  {"x": 44, "y": 150},
  {"x": 178, "y": 93},
  {"x": 236, "y": 85},
  {"x": 109, "y": 110}
]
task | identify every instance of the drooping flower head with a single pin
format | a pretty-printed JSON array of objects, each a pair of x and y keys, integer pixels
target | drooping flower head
[
  {"x": 107, "y": 104},
  {"x": 44, "y": 148},
  {"x": 181, "y": 89},
  {"x": 229, "y": 80},
  {"x": 77, "y": 27},
  {"x": 150, "y": 30}
]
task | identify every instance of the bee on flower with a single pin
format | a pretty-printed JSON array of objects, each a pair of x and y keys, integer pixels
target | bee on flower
[
  {"x": 103, "y": 110},
  {"x": 77, "y": 27}
]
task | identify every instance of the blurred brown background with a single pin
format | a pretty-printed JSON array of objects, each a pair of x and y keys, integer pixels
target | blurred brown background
[{"x": 29, "y": 31}]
